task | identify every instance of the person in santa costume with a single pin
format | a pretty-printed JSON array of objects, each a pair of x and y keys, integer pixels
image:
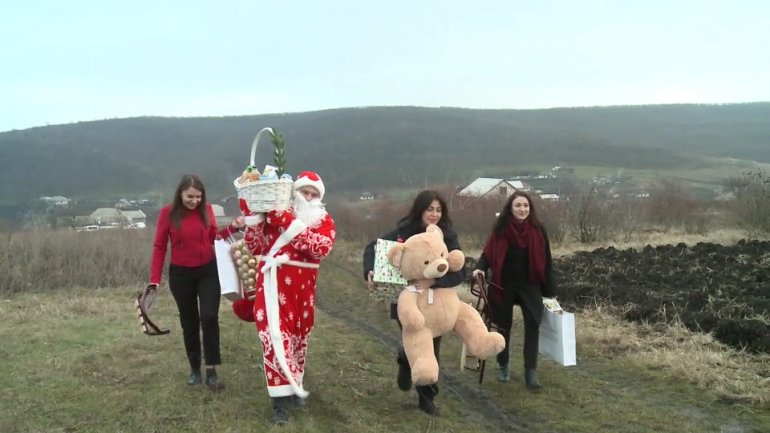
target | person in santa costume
[{"x": 290, "y": 244}]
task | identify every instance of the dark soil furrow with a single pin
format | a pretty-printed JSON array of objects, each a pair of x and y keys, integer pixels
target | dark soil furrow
[{"x": 709, "y": 287}]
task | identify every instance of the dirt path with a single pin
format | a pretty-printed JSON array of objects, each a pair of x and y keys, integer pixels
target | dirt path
[{"x": 477, "y": 405}]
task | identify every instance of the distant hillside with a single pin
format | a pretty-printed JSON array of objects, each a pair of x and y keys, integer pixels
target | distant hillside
[{"x": 370, "y": 148}]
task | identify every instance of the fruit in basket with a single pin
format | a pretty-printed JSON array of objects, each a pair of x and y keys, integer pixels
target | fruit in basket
[{"x": 251, "y": 174}]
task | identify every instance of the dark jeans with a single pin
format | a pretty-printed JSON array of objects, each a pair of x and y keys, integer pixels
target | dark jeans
[
  {"x": 189, "y": 286},
  {"x": 503, "y": 315}
]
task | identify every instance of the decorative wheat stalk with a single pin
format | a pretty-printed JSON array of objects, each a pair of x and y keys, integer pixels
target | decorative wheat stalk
[{"x": 278, "y": 155}]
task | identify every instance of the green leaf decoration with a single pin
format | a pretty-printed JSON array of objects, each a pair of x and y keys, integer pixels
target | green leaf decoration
[{"x": 279, "y": 158}]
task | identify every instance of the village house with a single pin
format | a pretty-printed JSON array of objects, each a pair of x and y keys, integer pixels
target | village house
[
  {"x": 113, "y": 217},
  {"x": 107, "y": 216},
  {"x": 56, "y": 201},
  {"x": 488, "y": 187},
  {"x": 135, "y": 218}
]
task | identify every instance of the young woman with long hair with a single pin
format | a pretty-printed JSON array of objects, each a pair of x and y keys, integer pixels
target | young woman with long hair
[
  {"x": 518, "y": 255},
  {"x": 189, "y": 225}
]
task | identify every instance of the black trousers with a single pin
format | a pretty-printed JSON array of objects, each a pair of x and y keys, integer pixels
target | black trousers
[
  {"x": 427, "y": 391},
  {"x": 503, "y": 317},
  {"x": 196, "y": 292}
]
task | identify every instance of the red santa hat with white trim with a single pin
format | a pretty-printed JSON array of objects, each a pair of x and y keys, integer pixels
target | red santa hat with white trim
[{"x": 310, "y": 178}]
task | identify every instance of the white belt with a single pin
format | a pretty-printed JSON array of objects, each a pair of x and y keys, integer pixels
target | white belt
[{"x": 280, "y": 261}]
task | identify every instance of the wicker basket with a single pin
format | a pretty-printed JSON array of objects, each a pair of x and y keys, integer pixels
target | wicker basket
[{"x": 264, "y": 195}]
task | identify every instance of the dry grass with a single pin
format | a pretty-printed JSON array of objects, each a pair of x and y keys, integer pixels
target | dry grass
[
  {"x": 675, "y": 353},
  {"x": 47, "y": 260},
  {"x": 672, "y": 352}
]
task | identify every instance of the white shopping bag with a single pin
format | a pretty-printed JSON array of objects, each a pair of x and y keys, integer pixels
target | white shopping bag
[
  {"x": 557, "y": 336},
  {"x": 229, "y": 284}
]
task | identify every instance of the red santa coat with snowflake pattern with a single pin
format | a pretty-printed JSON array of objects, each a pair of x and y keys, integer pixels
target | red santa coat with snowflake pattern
[{"x": 296, "y": 292}]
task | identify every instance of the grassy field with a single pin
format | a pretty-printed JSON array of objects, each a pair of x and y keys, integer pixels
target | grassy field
[{"x": 74, "y": 360}]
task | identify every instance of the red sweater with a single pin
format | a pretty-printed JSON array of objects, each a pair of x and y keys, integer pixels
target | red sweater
[{"x": 191, "y": 243}]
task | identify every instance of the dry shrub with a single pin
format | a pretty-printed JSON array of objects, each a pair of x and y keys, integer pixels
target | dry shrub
[
  {"x": 48, "y": 260},
  {"x": 752, "y": 200},
  {"x": 364, "y": 221},
  {"x": 671, "y": 205},
  {"x": 474, "y": 217}
]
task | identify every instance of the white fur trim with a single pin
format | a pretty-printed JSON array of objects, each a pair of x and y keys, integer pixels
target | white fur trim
[
  {"x": 306, "y": 181},
  {"x": 252, "y": 220},
  {"x": 296, "y": 227},
  {"x": 272, "y": 306},
  {"x": 280, "y": 391}
]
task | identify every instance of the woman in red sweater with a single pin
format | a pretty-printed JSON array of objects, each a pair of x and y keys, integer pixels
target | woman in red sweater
[{"x": 189, "y": 224}]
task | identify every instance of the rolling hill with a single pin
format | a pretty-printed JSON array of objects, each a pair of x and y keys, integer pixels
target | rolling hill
[{"x": 375, "y": 148}]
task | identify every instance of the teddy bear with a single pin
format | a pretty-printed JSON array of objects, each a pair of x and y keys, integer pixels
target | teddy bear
[{"x": 427, "y": 313}]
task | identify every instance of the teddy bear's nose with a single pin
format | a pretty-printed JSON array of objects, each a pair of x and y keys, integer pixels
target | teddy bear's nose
[{"x": 441, "y": 267}]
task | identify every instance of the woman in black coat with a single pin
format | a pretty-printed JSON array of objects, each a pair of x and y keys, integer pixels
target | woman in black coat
[
  {"x": 519, "y": 256},
  {"x": 429, "y": 207}
]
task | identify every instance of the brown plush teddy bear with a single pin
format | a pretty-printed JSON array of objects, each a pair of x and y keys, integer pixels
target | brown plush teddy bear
[{"x": 427, "y": 313}]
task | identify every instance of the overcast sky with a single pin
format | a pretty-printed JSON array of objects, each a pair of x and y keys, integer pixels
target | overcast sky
[{"x": 69, "y": 61}]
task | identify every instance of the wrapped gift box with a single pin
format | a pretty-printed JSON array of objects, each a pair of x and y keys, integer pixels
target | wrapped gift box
[
  {"x": 384, "y": 272},
  {"x": 388, "y": 278}
]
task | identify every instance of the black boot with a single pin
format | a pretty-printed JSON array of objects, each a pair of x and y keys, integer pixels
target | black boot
[
  {"x": 195, "y": 368},
  {"x": 530, "y": 378},
  {"x": 212, "y": 381},
  {"x": 404, "y": 378},
  {"x": 281, "y": 409},
  {"x": 503, "y": 374},
  {"x": 425, "y": 401},
  {"x": 195, "y": 377},
  {"x": 298, "y": 401}
]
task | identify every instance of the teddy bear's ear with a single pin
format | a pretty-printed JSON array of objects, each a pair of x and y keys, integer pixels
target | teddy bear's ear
[
  {"x": 434, "y": 228},
  {"x": 394, "y": 255}
]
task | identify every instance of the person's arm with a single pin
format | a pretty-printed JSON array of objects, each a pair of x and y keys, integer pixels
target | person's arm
[
  {"x": 231, "y": 229},
  {"x": 368, "y": 259},
  {"x": 482, "y": 264},
  {"x": 316, "y": 242},
  {"x": 451, "y": 279},
  {"x": 255, "y": 237},
  {"x": 159, "y": 246},
  {"x": 549, "y": 287}
]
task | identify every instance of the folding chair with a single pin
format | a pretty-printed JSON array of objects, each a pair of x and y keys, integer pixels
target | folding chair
[
  {"x": 479, "y": 288},
  {"x": 143, "y": 304}
]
